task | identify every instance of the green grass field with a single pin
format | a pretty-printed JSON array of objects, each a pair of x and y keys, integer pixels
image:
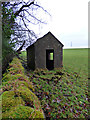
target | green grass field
[
  {"x": 23, "y": 55},
  {"x": 64, "y": 93},
  {"x": 75, "y": 58}
]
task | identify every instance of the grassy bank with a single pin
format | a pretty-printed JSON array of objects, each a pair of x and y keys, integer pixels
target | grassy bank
[{"x": 17, "y": 92}]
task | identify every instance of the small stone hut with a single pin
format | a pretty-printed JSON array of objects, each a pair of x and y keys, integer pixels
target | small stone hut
[{"x": 46, "y": 52}]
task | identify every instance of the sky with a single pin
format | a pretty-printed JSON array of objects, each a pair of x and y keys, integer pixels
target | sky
[{"x": 68, "y": 21}]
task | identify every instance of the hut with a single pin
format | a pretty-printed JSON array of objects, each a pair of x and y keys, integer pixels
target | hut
[{"x": 46, "y": 52}]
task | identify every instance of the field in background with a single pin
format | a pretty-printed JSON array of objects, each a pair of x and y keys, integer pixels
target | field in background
[
  {"x": 73, "y": 59},
  {"x": 76, "y": 60},
  {"x": 23, "y": 55}
]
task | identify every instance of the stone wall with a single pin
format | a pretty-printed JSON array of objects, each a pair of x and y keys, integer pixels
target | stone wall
[{"x": 17, "y": 92}]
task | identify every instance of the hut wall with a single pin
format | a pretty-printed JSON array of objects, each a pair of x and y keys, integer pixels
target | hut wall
[
  {"x": 44, "y": 43},
  {"x": 31, "y": 57}
]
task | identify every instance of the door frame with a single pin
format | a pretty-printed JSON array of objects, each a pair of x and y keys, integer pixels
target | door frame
[{"x": 47, "y": 52}]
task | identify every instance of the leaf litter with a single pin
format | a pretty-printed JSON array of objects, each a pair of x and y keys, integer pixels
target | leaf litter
[{"x": 62, "y": 94}]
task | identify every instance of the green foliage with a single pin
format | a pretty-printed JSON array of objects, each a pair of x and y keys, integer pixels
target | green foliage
[{"x": 8, "y": 19}]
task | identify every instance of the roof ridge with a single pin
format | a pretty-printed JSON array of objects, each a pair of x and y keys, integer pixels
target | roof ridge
[{"x": 44, "y": 36}]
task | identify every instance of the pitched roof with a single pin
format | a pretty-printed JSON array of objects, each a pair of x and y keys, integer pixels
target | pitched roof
[
  {"x": 54, "y": 37},
  {"x": 43, "y": 37}
]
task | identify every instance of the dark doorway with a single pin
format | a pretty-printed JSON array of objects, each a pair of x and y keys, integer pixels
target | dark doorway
[{"x": 50, "y": 59}]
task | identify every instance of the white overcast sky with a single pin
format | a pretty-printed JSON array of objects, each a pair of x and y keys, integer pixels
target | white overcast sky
[{"x": 68, "y": 21}]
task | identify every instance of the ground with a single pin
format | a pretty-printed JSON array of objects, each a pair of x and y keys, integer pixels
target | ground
[{"x": 64, "y": 92}]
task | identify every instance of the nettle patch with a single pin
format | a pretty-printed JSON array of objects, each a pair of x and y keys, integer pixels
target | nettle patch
[
  {"x": 18, "y": 99},
  {"x": 62, "y": 94}
]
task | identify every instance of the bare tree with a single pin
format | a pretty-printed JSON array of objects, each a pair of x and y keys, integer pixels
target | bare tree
[
  {"x": 25, "y": 13},
  {"x": 17, "y": 16}
]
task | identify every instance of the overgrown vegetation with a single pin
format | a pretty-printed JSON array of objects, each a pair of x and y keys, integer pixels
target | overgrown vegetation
[
  {"x": 18, "y": 99},
  {"x": 64, "y": 93},
  {"x": 8, "y": 19}
]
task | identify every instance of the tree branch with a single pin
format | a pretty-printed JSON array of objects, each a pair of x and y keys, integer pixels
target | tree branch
[
  {"x": 42, "y": 8},
  {"x": 17, "y": 13},
  {"x": 18, "y": 51},
  {"x": 32, "y": 17},
  {"x": 28, "y": 29}
]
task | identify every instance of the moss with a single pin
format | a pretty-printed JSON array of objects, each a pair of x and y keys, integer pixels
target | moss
[
  {"x": 24, "y": 94},
  {"x": 0, "y": 101},
  {"x": 0, "y": 86},
  {"x": 16, "y": 66},
  {"x": 18, "y": 101},
  {"x": 29, "y": 85},
  {"x": 9, "y": 100},
  {"x": 40, "y": 71},
  {"x": 16, "y": 61},
  {"x": 28, "y": 96},
  {"x": 23, "y": 112},
  {"x": 9, "y": 79},
  {"x": 10, "y": 84},
  {"x": 5, "y": 83}
]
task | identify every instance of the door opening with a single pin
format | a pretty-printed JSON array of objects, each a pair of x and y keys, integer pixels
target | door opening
[{"x": 50, "y": 59}]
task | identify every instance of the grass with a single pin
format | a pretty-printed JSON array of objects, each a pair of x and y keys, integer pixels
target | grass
[
  {"x": 76, "y": 59},
  {"x": 61, "y": 96},
  {"x": 23, "y": 55},
  {"x": 64, "y": 93}
]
